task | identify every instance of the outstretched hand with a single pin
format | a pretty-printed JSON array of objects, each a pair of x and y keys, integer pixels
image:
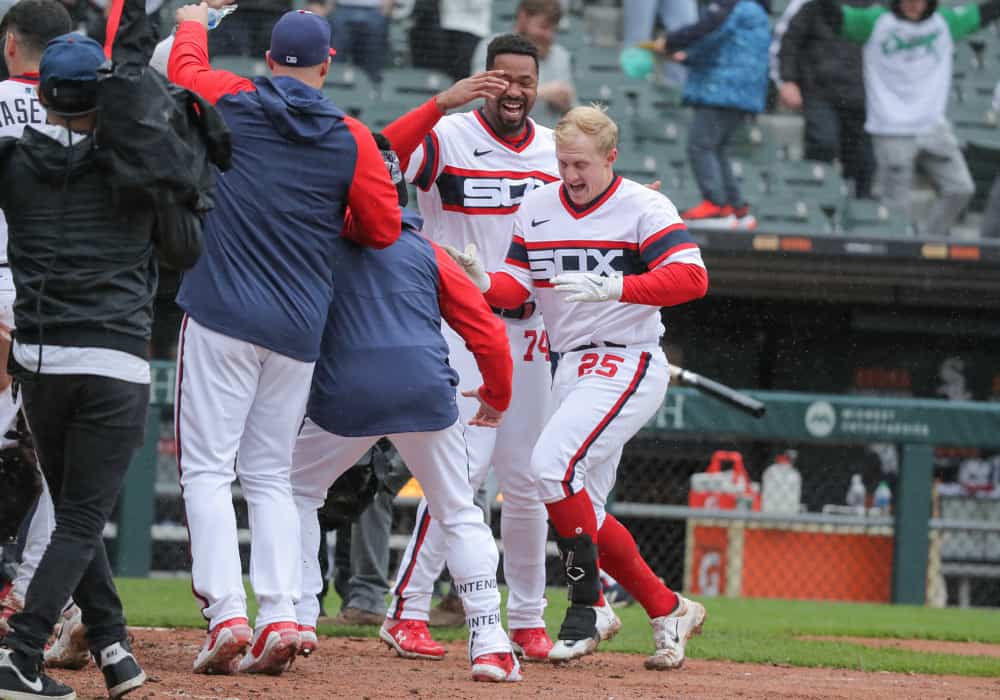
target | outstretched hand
[
  {"x": 487, "y": 83},
  {"x": 468, "y": 261},
  {"x": 486, "y": 416}
]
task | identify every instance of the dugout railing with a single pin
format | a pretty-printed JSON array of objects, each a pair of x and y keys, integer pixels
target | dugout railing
[{"x": 918, "y": 545}]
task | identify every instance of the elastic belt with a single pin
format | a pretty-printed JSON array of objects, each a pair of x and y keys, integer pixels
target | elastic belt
[
  {"x": 525, "y": 310},
  {"x": 594, "y": 346}
]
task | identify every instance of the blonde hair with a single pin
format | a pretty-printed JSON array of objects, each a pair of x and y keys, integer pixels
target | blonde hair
[{"x": 591, "y": 121}]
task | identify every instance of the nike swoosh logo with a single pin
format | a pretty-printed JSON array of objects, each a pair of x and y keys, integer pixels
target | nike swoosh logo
[
  {"x": 677, "y": 639},
  {"x": 35, "y": 685},
  {"x": 478, "y": 153},
  {"x": 539, "y": 222}
]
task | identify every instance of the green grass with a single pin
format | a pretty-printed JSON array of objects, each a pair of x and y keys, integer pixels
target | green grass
[{"x": 759, "y": 631}]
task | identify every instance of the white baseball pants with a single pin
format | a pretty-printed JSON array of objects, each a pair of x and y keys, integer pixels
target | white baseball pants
[
  {"x": 603, "y": 397},
  {"x": 438, "y": 459},
  {"x": 236, "y": 397},
  {"x": 523, "y": 520},
  {"x": 43, "y": 521}
]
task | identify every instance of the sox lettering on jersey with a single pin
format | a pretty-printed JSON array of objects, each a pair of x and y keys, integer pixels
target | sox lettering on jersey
[
  {"x": 546, "y": 260},
  {"x": 486, "y": 191}
]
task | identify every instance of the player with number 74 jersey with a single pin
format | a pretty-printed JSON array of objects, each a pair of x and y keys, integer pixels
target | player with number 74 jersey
[{"x": 602, "y": 254}]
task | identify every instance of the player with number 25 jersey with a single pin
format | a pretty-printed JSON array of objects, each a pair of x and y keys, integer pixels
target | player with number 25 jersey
[{"x": 603, "y": 254}]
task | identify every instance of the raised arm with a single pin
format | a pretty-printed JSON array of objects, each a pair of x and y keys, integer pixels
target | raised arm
[
  {"x": 406, "y": 133},
  {"x": 966, "y": 19},
  {"x": 188, "y": 65},
  {"x": 372, "y": 198}
]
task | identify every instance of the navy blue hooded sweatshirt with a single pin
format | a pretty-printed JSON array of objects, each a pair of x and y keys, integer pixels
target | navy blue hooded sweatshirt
[{"x": 265, "y": 275}]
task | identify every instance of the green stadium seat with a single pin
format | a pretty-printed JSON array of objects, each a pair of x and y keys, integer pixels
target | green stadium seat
[
  {"x": 377, "y": 115},
  {"x": 616, "y": 95},
  {"x": 865, "y": 217},
  {"x": 818, "y": 181},
  {"x": 668, "y": 127},
  {"x": 349, "y": 88},
  {"x": 637, "y": 166},
  {"x": 242, "y": 65},
  {"x": 789, "y": 216},
  {"x": 418, "y": 84},
  {"x": 597, "y": 61}
]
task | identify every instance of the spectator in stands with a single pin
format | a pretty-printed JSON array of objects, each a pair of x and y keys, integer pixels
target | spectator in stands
[
  {"x": 247, "y": 32},
  {"x": 639, "y": 18},
  {"x": 538, "y": 20},
  {"x": 991, "y": 217},
  {"x": 820, "y": 74},
  {"x": 360, "y": 32},
  {"x": 907, "y": 72},
  {"x": 726, "y": 56},
  {"x": 445, "y": 34}
]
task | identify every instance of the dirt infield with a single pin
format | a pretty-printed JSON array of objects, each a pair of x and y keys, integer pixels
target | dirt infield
[{"x": 364, "y": 668}]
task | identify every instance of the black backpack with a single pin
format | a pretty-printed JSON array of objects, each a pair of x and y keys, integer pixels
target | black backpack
[{"x": 158, "y": 143}]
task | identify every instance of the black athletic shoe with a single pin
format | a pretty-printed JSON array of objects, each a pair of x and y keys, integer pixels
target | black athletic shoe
[
  {"x": 15, "y": 685},
  {"x": 122, "y": 673}
]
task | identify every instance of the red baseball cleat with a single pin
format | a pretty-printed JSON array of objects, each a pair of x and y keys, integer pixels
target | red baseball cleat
[
  {"x": 273, "y": 650},
  {"x": 496, "y": 668},
  {"x": 531, "y": 644},
  {"x": 411, "y": 639},
  {"x": 224, "y": 647},
  {"x": 308, "y": 641}
]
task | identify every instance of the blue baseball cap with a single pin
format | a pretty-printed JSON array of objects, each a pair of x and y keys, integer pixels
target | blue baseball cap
[
  {"x": 68, "y": 74},
  {"x": 301, "y": 38}
]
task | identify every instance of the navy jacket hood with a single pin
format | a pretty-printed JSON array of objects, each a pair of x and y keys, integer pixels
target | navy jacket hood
[{"x": 298, "y": 112}]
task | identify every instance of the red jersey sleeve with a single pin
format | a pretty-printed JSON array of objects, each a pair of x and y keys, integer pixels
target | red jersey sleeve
[
  {"x": 374, "y": 203},
  {"x": 188, "y": 66},
  {"x": 505, "y": 292},
  {"x": 407, "y": 132},
  {"x": 669, "y": 285},
  {"x": 465, "y": 310}
]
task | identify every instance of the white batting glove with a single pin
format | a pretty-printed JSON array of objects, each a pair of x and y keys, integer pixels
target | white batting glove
[
  {"x": 470, "y": 263},
  {"x": 586, "y": 286}
]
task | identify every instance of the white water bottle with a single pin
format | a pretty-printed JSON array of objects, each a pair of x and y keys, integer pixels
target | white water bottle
[
  {"x": 216, "y": 16},
  {"x": 782, "y": 485},
  {"x": 856, "y": 494}
]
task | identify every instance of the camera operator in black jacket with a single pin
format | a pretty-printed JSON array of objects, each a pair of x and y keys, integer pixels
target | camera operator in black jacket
[{"x": 84, "y": 263}]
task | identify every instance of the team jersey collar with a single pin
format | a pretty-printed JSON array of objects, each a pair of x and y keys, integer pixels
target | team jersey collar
[
  {"x": 29, "y": 78},
  {"x": 518, "y": 142},
  {"x": 577, "y": 211}
]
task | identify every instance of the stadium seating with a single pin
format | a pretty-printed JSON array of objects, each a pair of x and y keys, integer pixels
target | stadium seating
[
  {"x": 416, "y": 84},
  {"x": 815, "y": 181},
  {"x": 791, "y": 215},
  {"x": 241, "y": 65},
  {"x": 865, "y": 217}
]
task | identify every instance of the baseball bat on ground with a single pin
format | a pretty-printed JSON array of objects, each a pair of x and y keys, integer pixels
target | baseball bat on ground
[{"x": 718, "y": 391}]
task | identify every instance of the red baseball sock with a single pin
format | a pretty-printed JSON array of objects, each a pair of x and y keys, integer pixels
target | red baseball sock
[
  {"x": 620, "y": 557},
  {"x": 574, "y": 516}
]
